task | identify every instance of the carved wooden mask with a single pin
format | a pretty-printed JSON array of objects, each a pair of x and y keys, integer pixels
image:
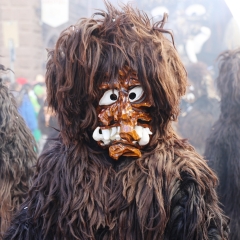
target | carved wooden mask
[{"x": 123, "y": 116}]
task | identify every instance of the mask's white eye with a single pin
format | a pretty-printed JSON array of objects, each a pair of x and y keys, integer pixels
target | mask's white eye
[
  {"x": 109, "y": 97},
  {"x": 135, "y": 94}
]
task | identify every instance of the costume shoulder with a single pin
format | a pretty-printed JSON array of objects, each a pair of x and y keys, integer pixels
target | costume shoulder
[
  {"x": 195, "y": 213},
  {"x": 28, "y": 223}
]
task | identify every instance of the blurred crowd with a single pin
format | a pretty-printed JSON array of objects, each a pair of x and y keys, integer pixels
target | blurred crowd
[{"x": 30, "y": 98}]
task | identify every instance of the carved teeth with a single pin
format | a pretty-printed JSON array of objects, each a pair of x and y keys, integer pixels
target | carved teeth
[
  {"x": 145, "y": 137},
  {"x": 96, "y": 135},
  {"x": 139, "y": 130},
  {"x": 114, "y": 131},
  {"x": 148, "y": 131},
  {"x": 117, "y": 137},
  {"x": 106, "y": 134},
  {"x": 106, "y": 142}
]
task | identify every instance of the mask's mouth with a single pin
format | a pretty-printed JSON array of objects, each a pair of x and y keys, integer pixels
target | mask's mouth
[
  {"x": 112, "y": 135},
  {"x": 121, "y": 149},
  {"x": 122, "y": 141}
]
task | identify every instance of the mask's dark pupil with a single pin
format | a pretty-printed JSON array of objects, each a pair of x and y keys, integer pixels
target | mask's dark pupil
[
  {"x": 113, "y": 96},
  {"x": 132, "y": 95}
]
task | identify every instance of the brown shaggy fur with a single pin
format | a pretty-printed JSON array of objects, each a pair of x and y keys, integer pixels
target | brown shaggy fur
[
  {"x": 79, "y": 192},
  {"x": 17, "y": 157},
  {"x": 223, "y": 144}
]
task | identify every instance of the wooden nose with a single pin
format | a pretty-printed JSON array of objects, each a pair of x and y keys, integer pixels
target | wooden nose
[{"x": 128, "y": 132}]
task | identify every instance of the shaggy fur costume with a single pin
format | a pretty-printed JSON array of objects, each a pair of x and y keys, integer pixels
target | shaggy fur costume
[
  {"x": 17, "y": 157},
  {"x": 223, "y": 144},
  {"x": 79, "y": 192}
]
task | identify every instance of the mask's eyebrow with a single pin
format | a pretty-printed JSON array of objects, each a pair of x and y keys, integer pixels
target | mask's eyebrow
[
  {"x": 104, "y": 85},
  {"x": 133, "y": 82},
  {"x": 107, "y": 85}
]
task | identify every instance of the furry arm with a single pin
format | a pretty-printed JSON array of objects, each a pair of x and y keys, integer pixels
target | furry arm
[{"x": 193, "y": 215}]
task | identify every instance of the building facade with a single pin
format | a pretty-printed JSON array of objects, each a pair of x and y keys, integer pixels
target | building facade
[
  {"x": 21, "y": 41},
  {"x": 25, "y": 37}
]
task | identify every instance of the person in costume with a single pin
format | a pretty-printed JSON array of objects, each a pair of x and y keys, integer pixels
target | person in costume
[
  {"x": 17, "y": 156},
  {"x": 26, "y": 105},
  {"x": 199, "y": 107},
  {"x": 118, "y": 170},
  {"x": 223, "y": 144}
]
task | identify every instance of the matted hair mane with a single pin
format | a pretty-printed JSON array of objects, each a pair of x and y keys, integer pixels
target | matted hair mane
[{"x": 94, "y": 50}]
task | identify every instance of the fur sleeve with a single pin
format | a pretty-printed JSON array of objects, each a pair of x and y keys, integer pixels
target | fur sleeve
[
  {"x": 194, "y": 212},
  {"x": 24, "y": 227},
  {"x": 29, "y": 223},
  {"x": 21, "y": 227}
]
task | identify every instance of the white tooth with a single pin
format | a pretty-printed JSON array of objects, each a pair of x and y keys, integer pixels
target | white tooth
[
  {"x": 145, "y": 137},
  {"x": 134, "y": 142},
  {"x": 114, "y": 131},
  {"x": 148, "y": 130},
  {"x": 110, "y": 132},
  {"x": 106, "y": 134},
  {"x": 113, "y": 137},
  {"x": 96, "y": 135},
  {"x": 117, "y": 137},
  {"x": 118, "y": 129},
  {"x": 106, "y": 142},
  {"x": 139, "y": 131}
]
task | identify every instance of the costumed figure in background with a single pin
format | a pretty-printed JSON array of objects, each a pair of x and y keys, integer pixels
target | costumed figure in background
[
  {"x": 198, "y": 34},
  {"x": 223, "y": 144},
  {"x": 199, "y": 107},
  {"x": 118, "y": 170},
  {"x": 190, "y": 40},
  {"x": 26, "y": 106},
  {"x": 17, "y": 157}
]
